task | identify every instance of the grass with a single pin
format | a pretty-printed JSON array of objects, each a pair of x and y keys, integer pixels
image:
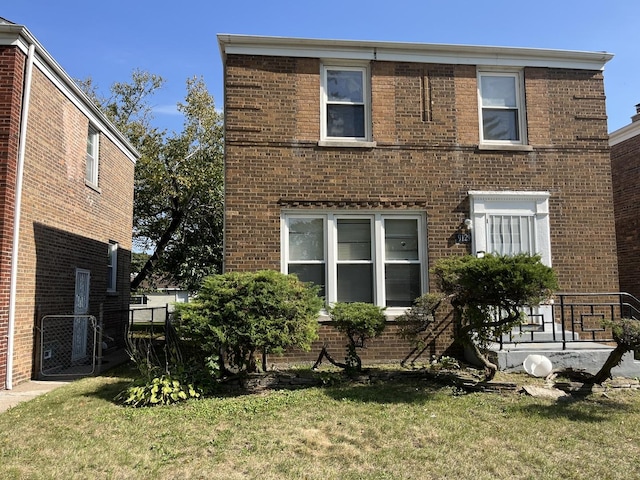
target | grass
[{"x": 410, "y": 430}]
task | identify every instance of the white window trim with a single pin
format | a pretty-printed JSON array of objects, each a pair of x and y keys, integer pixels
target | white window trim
[
  {"x": 328, "y": 141},
  {"x": 92, "y": 178},
  {"x": 112, "y": 284},
  {"x": 536, "y": 204},
  {"x": 520, "y": 104},
  {"x": 378, "y": 258}
]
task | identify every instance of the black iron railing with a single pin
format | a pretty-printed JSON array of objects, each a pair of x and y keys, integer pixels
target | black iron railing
[{"x": 574, "y": 317}]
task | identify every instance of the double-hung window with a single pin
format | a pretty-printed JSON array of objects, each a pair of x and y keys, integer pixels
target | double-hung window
[
  {"x": 502, "y": 116},
  {"x": 112, "y": 266},
  {"x": 91, "y": 173},
  {"x": 345, "y": 104},
  {"x": 357, "y": 257}
]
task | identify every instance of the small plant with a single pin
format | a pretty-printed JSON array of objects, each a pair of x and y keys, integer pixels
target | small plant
[
  {"x": 626, "y": 333},
  {"x": 444, "y": 363},
  {"x": 360, "y": 322},
  {"x": 163, "y": 390}
]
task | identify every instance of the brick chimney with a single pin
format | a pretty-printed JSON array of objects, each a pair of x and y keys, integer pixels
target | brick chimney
[{"x": 636, "y": 117}]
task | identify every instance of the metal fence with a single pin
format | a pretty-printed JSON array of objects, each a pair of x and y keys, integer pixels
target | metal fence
[
  {"x": 574, "y": 317},
  {"x": 68, "y": 345}
]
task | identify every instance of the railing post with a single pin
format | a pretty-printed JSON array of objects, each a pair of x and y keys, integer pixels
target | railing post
[{"x": 562, "y": 322}]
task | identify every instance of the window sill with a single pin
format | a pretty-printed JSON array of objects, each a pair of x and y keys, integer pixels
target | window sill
[
  {"x": 346, "y": 144},
  {"x": 505, "y": 148},
  {"x": 92, "y": 186}
]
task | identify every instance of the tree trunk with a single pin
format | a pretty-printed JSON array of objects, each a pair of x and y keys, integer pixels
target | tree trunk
[
  {"x": 176, "y": 220},
  {"x": 613, "y": 360}
]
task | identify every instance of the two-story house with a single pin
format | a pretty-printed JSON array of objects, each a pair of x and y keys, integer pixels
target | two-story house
[
  {"x": 356, "y": 165},
  {"x": 66, "y": 201}
]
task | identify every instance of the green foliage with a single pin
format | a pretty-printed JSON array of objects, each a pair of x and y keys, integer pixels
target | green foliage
[
  {"x": 178, "y": 192},
  {"x": 626, "y": 332},
  {"x": 240, "y": 314},
  {"x": 489, "y": 292},
  {"x": 163, "y": 390},
  {"x": 417, "y": 321},
  {"x": 359, "y": 322}
]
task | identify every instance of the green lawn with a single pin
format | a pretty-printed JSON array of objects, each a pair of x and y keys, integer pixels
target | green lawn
[{"x": 410, "y": 430}]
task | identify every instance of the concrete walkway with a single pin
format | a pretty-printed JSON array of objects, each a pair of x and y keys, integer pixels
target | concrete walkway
[{"x": 26, "y": 391}]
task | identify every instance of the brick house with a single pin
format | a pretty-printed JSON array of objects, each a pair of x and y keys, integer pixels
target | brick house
[
  {"x": 357, "y": 165},
  {"x": 66, "y": 199},
  {"x": 625, "y": 170}
]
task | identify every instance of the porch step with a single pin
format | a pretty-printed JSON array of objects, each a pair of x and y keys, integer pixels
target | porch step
[{"x": 586, "y": 356}]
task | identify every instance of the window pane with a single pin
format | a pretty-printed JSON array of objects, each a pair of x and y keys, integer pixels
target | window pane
[
  {"x": 510, "y": 234},
  {"x": 306, "y": 239},
  {"x": 402, "y": 284},
  {"x": 310, "y": 273},
  {"x": 345, "y": 86},
  {"x": 345, "y": 121},
  {"x": 498, "y": 91},
  {"x": 354, "y": 239},
  {"x": 355, "y": 283},
  {"x": 500, "y": 124},
  {"x": 401, "y": 239}
]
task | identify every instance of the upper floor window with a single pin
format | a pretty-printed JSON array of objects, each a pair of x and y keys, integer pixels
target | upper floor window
[
  {"x": 91, "y": 174},
  {"x": 112, "y": 266},
  {"x": 502, "y": 116},
  {"x": 345, "y": 103}
]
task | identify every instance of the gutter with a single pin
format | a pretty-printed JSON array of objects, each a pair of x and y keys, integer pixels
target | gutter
[{"x": 13, "y": 289}]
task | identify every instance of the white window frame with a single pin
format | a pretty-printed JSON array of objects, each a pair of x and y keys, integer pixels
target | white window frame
[
  {"x": 112, "y": 267},
  {"x": 92, "y": 160},
  {"x": 511, "y": 203},
  {"x": 518, "y": 76},
  {"x": 324, "y": 101},
  {"x": 379, "y": 261}
]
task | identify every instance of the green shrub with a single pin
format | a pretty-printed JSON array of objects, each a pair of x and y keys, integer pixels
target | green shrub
[
  {"x": 241, "y": 314},
  {"x": 163, "y": 390},
  {"x": 488, "y": 294},
  {"x": 359, "y": 322}
]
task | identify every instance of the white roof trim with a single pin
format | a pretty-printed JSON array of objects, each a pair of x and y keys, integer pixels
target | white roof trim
[
  {"x": 412, "y": 52},
  {"x": 19, "y": 36},
  {"x": 625, "y": 133}
]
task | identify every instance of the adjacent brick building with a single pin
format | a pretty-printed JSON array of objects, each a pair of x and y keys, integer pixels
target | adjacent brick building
[
  {"x": 625, "y": 169},
  {"x": 357, "y": 165},
  {"x": 66, "y": 199}
]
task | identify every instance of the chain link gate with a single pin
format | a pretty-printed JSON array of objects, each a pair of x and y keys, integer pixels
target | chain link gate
[{"x": 68, "y": 345}]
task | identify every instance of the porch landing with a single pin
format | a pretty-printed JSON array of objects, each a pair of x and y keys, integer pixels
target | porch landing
[{"x": 586, "y": 356}]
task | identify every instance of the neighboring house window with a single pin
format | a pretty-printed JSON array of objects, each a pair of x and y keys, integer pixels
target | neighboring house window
[
  {"x": 112, "y": 266},
  {"x": 509, "y": 223},
  {"x": 374, "y": 258},
  {"x": 91, "y": 175},
  {"x": 502, "y": 116},
  {"x": 345, "y": 103}
]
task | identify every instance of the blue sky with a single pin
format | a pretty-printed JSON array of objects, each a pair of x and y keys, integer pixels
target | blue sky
[{"x": 177, "y": 39}]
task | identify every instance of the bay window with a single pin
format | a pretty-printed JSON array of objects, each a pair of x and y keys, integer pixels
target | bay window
[{"x": 357, "y": 257}]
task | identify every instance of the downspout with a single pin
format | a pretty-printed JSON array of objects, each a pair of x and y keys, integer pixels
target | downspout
[{"x": 13, "y": 289}]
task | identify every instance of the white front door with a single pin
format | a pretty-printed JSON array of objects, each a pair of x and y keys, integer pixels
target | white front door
[{"x": 81, "y": 307}]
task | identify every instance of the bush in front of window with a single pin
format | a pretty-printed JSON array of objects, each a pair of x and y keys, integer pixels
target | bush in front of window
[
  {"x": 488, "y": 295},
  {"x": 239, "y": 315},
  {"x": 360, "y": 322}
]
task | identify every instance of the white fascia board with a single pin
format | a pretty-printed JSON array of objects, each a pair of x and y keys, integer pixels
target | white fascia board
[
  {"x": 625, "y": 133},
  {"x": 19, "y": 35},
  {"x": 412, "y": 52}
]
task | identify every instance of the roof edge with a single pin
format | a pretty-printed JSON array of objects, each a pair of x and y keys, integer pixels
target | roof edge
[{"x": 411, "y": 52}]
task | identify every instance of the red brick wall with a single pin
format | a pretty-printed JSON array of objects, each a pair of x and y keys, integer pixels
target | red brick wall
[
  {"x": 426, "y": 157},
  {"x": 66, "y": 224},
  {"x": 625, "y": 165},
  {"x": 11, "y": 80}
]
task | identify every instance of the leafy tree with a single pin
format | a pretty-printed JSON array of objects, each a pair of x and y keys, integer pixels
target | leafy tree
[
  {"x": 360, "y": 322},
  {"x": 489, "y": 293},
  {"x": 178, "y": 179},
  {"x": 240, "y": 314},
  {"x": 626, "y": 333}
]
